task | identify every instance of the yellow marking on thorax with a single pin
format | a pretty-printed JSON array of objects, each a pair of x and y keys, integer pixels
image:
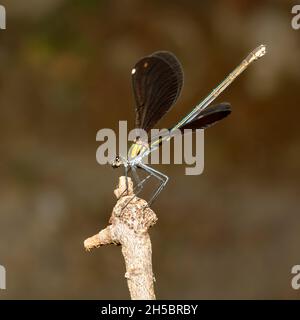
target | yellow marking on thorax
[{"x": 135, "y": 150}]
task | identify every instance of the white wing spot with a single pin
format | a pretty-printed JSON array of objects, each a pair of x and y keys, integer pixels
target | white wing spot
[{"x": 133, "y": 71}]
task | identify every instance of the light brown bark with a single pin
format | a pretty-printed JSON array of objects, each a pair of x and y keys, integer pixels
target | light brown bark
[{"x": 129, "y": 224}]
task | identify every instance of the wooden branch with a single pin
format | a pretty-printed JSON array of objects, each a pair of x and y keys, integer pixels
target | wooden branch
[{"x": 129, "y": 228}]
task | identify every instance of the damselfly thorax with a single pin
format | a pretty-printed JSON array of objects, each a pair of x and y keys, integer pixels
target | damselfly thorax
[{"x": 137, "y": 151}]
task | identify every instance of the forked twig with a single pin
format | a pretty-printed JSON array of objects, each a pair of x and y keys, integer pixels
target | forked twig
[{"x": 128, "y": 227}]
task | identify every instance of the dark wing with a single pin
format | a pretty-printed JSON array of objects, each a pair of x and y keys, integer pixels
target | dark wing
[
  {"x": 171, "y": 59},
  {"x": 203, "y": 120},
  {"x": 157, "y": 82},
  {"x": 208, "y": 116}
]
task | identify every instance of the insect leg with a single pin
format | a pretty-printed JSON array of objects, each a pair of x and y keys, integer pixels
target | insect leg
[
  {"x": 139, "y": 184},
  {"x": 160, "y": 176},
  {"x": 127, "y": 168}
]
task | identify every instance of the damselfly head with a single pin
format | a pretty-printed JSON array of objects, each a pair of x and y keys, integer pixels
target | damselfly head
[{"x": 116, "y": 163}]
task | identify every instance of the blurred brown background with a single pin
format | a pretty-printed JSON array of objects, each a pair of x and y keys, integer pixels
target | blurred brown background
[{"x": 232, "y": 232}]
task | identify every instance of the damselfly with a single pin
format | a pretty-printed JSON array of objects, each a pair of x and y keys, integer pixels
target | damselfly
[{"x": 157, "y": 81}]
